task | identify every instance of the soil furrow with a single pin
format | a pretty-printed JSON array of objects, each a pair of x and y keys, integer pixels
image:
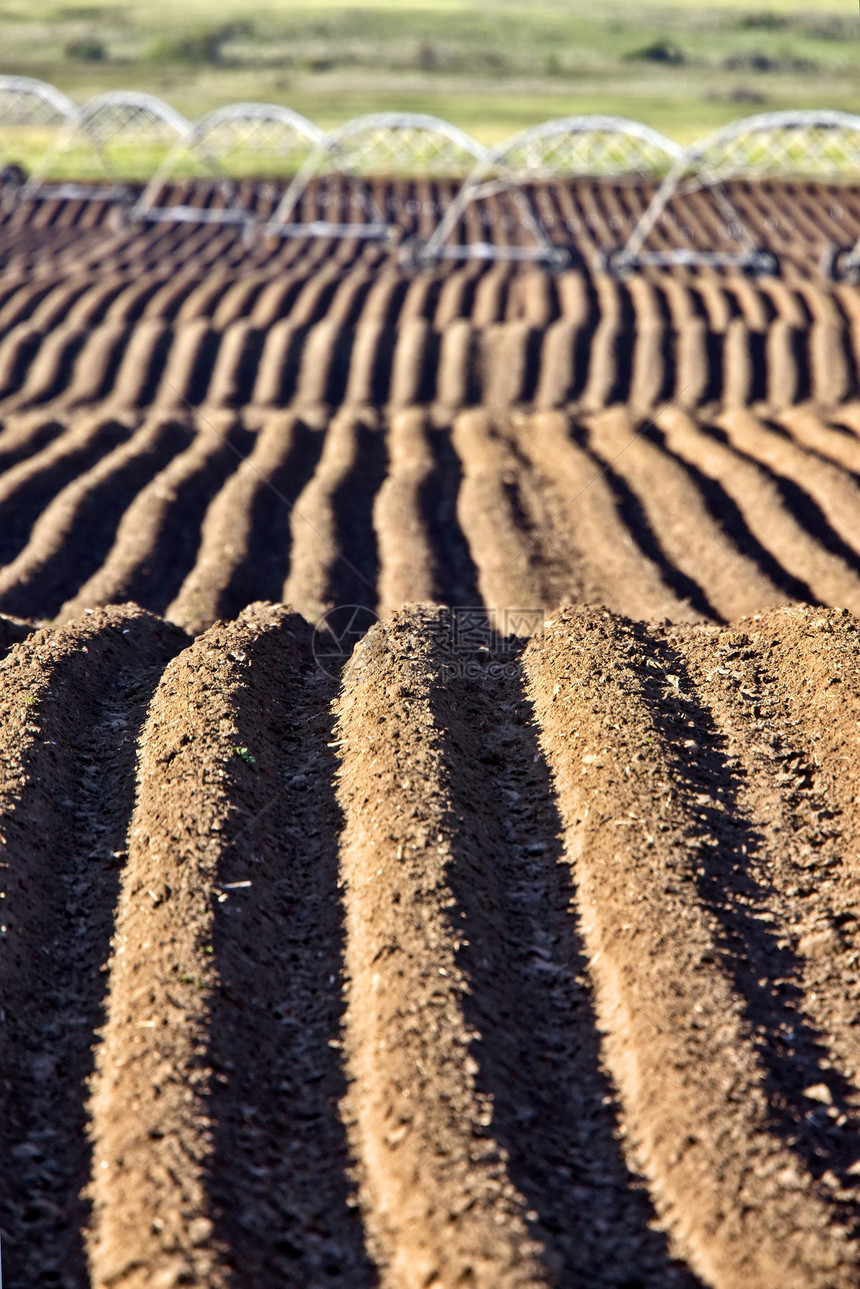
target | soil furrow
[
  {"x": 605, "y": 564},
  {"x": 28, "y": 487},
  {"x": 511, "y": 353},
  {"x": 189, "y": 365},
  {"x": 414, "y": 363},
  {"x": 836, "y": 442},
  {"x": 788, "y": 904},
  {"x": 370, "y": 363},
  {"x": 529, "y": 997},
  {"x": 505, "y": 547},
  {"x": 142, "y": 364},
  {"x": 72, "y": 536},
  {"x": 280, "y": 364},
  {"x": 744, "y": 372},
  {"x": 434, "y": 1185},
  {"x": 158, "y": 537},
  {"x": 333, "y": 555},
  {"x": 458, "y": 381},
  {"x": 219, "y": 1155},
  {"x": 22, "y": 437},
  {"x": 633, "y": 773},
  {"x": 652, "y": 377},
  {"x": 822, "y": 496},
  {"x": 18, "y": 350},
  {"x": 96, "y": 365},
  {"x": 89, "y": 311},
  {"x": 71, "y": 702},
  {"x": 718, "y": 580},
  {"x": 785, "y": 365},
  {"x": 407, "y": 569},
  {"x": 797, "y": 562},
  {"x": 611, "y": 348},
  {"x": 50, "y": 369},
  {"x": 244, "y": 544},
  {"x": 325, "y": 365}
]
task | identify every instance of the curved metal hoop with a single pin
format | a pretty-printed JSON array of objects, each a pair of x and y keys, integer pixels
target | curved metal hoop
[
  {"x": 128, "y": 114},
  {"x": 821, "y": 144},
  {"x": 601, "y": 146},
  {"x": 119, "y": 115},
  {"x": 264, "y": 129},
  {"x": 812, "y": 144},
  {"x": 587, "y": 145},
  {"x": 30, "y": 104},
  {"x": 25, "y": 101},
  {"x": 382, "y": 143}
]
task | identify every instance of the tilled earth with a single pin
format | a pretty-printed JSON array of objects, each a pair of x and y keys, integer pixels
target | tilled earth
[
  {"x": 518, "y": 946},
  {"x": 193, "y": 424},
  {"x": 502, "y": 963}
]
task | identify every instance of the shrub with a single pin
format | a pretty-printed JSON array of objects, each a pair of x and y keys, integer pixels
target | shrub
[
  {"x": 197, "y": 48},
  {"x": 764, "y": 21},
  {"x": 85, "y": 49},
  {"x": 427, "y": 57},
  {"x": 661, "y": 51}
]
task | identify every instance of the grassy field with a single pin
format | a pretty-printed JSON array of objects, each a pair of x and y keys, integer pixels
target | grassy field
[{"x": 491, "y": 66}]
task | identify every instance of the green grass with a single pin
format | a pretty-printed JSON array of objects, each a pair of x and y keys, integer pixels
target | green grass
[{"x": 491, "y": 66}]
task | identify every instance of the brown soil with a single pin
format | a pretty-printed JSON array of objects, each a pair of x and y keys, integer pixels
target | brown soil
[
  {"x": 521, "y": 947},
  {"x": 536, "y": 968}
]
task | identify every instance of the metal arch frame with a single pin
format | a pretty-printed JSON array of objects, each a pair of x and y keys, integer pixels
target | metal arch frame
[
  {"x": 56, "y": 108},
  {"x": 283, "y": 222},
  {"x": 83, "y": 124},
  {"x": 598, "y": 123},
  {"x": 145, "y": 208},
  {"x": 498, "y": 173},
  {"x": 25, "y": 87},
  {"x": 692, "y": 171}
]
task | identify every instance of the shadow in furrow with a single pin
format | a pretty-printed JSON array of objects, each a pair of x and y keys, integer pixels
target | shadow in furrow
[
  {"x": 340, "y": 359},
  {"x": 730, "y": 518},
  {"x": 355, "y": 579},
  {"x": 90, "y": 535},
  {"x": 262, "y": 572},
  {"x": 669, "y": 374},
  {"x": 799, "y": 505},
  {"x": 158, "y": 581},
  {"x": 786, "y": 436},
  {"x": 801, "y": 364},
  {"x": 280, "y": 1183},
  {"x": 438, "y": 500},
  {"x": 633, "y": 514},
  {"x": 758, "y": 366},
  {"x": 22, "y": 359},
  {"x": 197, "y": 381},
  {"x": 62, "y": 885},
  {"x": 528, "y": 996},
  {"x": 531, "y": 364},
  {"x": 26, "y": 447},
  {"x": 714, "y": 345},
  {"x": 582, "y": 347},
  {"x": 767, "y": 974},
  {"x": 20, "y": 509}
]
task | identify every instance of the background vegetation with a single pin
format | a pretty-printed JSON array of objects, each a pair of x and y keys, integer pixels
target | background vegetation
[{"x": 491, "y": 66}]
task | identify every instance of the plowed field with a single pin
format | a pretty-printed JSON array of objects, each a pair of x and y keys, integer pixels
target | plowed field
[{"x": 518, "y": 947}]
